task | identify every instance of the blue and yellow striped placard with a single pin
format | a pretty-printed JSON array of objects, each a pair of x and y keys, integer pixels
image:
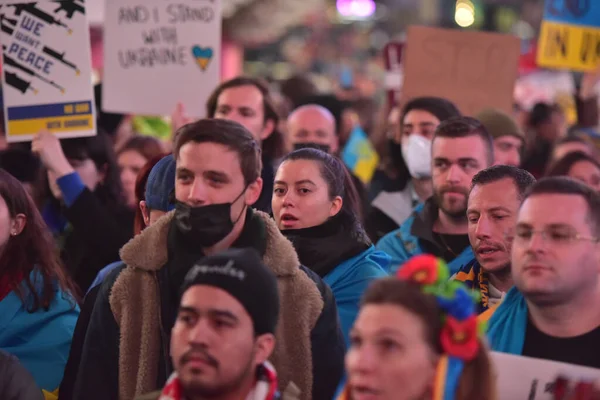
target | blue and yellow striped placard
[
  {"x": 570, "y": 35},
  {"x": 57, "y": 118}
]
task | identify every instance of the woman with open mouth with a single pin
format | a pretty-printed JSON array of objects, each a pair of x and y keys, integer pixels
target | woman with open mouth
[
  {"x": 417, "y": 338},
  {"x": 316, "y": 207}
]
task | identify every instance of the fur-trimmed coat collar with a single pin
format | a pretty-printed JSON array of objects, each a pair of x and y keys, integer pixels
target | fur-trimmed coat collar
[{"x": 135, "y": 301}]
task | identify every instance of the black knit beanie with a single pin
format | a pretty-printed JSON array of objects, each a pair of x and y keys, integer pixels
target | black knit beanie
[
  {"x": 242, "y": 274},
  {"x": 441, "y": 108}
]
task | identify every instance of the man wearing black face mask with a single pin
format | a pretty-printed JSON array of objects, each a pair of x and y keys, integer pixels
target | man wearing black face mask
[
  {"x": 314, "y": 126},
  {"x": 218, "y": 166}
]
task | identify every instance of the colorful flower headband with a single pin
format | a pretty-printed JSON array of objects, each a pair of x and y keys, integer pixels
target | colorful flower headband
[{"x": 460, "y": 331}]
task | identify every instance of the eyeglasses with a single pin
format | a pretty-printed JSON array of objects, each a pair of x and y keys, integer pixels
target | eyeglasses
[{"x": 553, "y": 236}]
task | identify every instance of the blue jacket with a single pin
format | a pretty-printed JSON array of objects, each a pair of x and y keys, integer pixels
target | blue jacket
[
  {"x": 40, "y": 340},
  {"x": 506, "y": 323},
  {"x": 349, "y": 280},
  {"x": 405, "y": 242}
]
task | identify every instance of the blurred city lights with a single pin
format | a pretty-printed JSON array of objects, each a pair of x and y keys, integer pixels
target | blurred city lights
[
  {"x": 356, "y": 8},
  {"x": 465, "y": 13}
]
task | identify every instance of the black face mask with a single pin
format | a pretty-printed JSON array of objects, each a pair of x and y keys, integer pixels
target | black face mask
[
  {"x": 311, "y": 145},
  {"x": 205, "y": 225}
]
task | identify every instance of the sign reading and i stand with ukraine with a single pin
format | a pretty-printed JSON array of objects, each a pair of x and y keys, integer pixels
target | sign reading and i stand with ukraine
[
  {"x": 46, "y": 68},
  {"x": 570, "y": 35}
]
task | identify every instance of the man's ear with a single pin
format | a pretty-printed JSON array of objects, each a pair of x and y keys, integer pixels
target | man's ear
[
  {"x": 264, "y": 348},
  {"x": 145, "y": 212},
  {"x": 253, "y": 191},
  {"x": 335, "y": 145},
  {"x": 267, "y": 130}
]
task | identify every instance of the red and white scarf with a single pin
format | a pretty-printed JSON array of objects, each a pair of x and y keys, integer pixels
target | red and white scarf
[{"x": 265, "y": 387}]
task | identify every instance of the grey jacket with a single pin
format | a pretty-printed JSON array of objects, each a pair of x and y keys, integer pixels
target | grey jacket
[{"x": 16, "y": 383}]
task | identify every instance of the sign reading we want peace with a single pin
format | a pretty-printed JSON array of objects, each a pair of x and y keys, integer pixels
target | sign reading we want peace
[{"x": 46, "y": 69}]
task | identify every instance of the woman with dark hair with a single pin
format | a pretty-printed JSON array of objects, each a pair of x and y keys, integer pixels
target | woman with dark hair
[
  {"x": 37, "y": 309},
  {"x": 407, "y": 178},
  {"x": 131, "y": 158},
  {"x": 316, "y": 207},
  {"x": 579, "y": 166},
  {"x": 417, "y": 337},
  {"x": 86, "y": 212}
]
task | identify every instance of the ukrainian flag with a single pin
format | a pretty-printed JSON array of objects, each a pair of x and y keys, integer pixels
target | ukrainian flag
[{"x": 360, "y": 155}]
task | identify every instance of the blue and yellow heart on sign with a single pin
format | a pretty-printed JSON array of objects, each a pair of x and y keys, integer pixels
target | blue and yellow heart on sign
[{"x": 202, "y": 55}]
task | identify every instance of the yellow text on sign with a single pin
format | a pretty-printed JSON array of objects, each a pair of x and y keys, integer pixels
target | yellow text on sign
[{"x": 568, "y": 47}]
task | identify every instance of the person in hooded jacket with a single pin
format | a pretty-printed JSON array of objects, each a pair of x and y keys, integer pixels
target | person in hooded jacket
[
  {"x": 315, "y": 205},
  {"x": 86, "y": 210},
  {"x": 410, "y": 153}
]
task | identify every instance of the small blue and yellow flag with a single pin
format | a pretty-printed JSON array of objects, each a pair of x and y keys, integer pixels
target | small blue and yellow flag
[{"x": 360, "y": 155}]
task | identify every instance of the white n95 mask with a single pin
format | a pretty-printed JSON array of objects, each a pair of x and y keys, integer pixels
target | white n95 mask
[{"x": 416, "y": 151}]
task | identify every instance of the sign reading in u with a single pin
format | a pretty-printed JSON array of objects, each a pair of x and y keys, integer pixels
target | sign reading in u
[{"x": 570, "y": 35}]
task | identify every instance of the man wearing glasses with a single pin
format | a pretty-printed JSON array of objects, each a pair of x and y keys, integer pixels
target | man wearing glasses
[{"x": 553, "y": 312}]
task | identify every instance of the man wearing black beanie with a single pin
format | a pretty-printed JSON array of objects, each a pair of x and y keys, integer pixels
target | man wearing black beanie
[{"x": 225, "y": 330}]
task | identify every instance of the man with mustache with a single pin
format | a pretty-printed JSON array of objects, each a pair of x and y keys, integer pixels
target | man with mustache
[
  {"x": 552, "y": 312},
  {"x": 461, "y": 147},
  {"x": 225, "y": 331},
  {"x": 494, "y": 200}
]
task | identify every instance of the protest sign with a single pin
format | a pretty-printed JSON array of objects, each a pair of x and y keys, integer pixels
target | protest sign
[
  {"x": 392, "y": 57},
  {"x": 528, "y": 378},
  {"x": 570, "y": 35},
  {"x": 475, "y": 70},
  {"x": 158, "y": 53},
  {"x": 47, "y": 72}
]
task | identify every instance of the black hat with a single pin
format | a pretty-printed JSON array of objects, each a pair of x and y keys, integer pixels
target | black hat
[{"x": 242, "y": 274}]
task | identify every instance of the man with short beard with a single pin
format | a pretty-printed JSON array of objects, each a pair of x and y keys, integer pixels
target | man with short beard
[
  {"x": 225, "y": 331},
  {"x": 496, "y": 194},
  {"x": 461, "y": 148}
]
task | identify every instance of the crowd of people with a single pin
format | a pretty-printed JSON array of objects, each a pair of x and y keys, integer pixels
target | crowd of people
[{"x": 243, "y": 259}]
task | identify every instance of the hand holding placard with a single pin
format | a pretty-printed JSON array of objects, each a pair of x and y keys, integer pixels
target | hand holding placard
[{"x": 47, "y": 147}]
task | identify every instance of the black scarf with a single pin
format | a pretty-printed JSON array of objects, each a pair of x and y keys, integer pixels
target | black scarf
[{"x": 322, "y": 248}]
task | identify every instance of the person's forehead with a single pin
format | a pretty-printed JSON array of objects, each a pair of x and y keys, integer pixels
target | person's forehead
[
  {"x": 312, "y": 119},
  {"x": 508, "y": 138},
  {"x": 548, "y": 209},
  {"x": 460, "y": 147},
  {"x": 417, "y": 116},
  {"x": 246, "y": 95},
  {"x": 501, "y": 193},
  {"x": 299, "y": 168},
  {"x": 214, "y": 155}
]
